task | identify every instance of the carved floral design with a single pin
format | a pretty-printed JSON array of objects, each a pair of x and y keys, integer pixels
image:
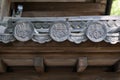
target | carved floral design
[
  {"x": 60, "y": 31},
  {"x": 96, "y": 31},
  {"x": 23, "y": 31}
]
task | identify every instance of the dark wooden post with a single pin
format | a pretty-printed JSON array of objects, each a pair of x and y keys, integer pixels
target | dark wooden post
[
  {"x": 2, "y": 66},
  {"x": 82, "y": 64},
  {"x": 108, "y": 7},
  {"x": 117, "y": 66},
  {"x": 39, "y": 64}
]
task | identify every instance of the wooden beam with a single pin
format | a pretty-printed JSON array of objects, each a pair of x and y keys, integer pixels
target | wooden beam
[
  {"x": 51, "y": 0},
  {"x": 61, "y": 76},
  {"x": 54, "y": 61},
  {"x": 82, "y": 64},
  {"x": 58, "y": 13},
  {"x": 59, "y": 49},
  {"x": 58, "y": 9},
  {"x": 62, "y": 6},
  {"x": 2, "y": 66},
  {"x": 39, "y": 64},
  {"x": 106, "y": 61}
]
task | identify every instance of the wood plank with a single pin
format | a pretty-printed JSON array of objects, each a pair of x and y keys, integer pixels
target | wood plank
[
  {"x": 57, "y": 62},
  {"x": 64, "y": 47},
  {"x": 2, "y": 66},
  {"x": 52, "y": 0},
  {"x": 39, "y": 64},
  {"x": 61, "y": 76},
  {"x": 19, "y": 62},
  {"x": 95, "y": 55},
  {"x": 58, "y": 9},
  {"x": 82, "y": 64},
  {"x": 59, "y": 49},
  {"x": 60, "y": 61},
  {"x": 40, "y": 6}
]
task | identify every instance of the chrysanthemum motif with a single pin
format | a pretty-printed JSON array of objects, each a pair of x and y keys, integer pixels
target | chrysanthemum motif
[
  {"x": 96, "y": 31},
  {"x": 23, "y": 31},
  {"x": 59, "y": 31}
]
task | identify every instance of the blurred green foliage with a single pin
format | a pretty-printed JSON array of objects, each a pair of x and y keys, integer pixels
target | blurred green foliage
[{"x": 115, "y": 7}]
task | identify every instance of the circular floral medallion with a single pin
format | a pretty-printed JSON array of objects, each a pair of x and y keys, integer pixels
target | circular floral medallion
[
  {"x": 96, "y": 31},
  {"x": 23, "y": 31},
  {"x": 60, "y": 31}
]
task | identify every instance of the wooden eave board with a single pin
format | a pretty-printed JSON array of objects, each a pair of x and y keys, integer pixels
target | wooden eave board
[{"x": 52, "y": 0}]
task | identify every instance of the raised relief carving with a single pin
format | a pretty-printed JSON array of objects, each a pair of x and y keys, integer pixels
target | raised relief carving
[
  {"x": 112, "y": 26},
  {"x": 113, "y": 32},
  {"x": 4, "y": 36},
  {"x": 112, "y": 38},
  {"x": 75, "y": 30},
  {"x": 77, "y": 37},
  {"x": 41, "y": 34},
  {"x": 2, "y": 29},
  {"x": 41, "y": 38},
  {"x": 77, "y": 34},
  {"x": 23, "y": 31},
  {"x": 96, "y": 31},
  {"x": 60, "y": 31}
]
